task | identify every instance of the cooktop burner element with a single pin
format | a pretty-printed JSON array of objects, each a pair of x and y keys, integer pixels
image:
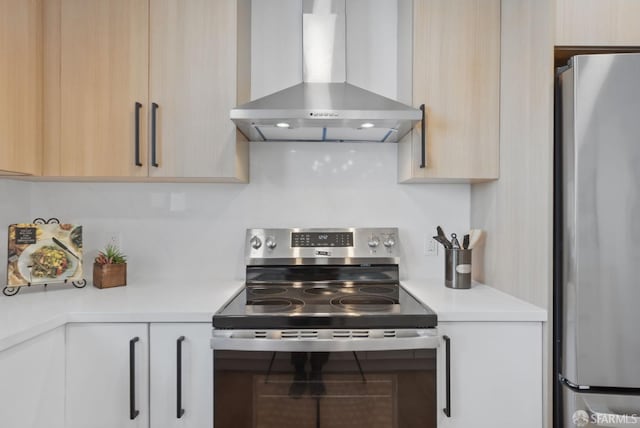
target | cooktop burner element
[
  {"x": 362, "y": 300},
  {"x": 268, "y": 291},
  {"x": 277, "y": 304},
  {"x": 323, "y": 278},
  {"x": 321, "y": 291}
]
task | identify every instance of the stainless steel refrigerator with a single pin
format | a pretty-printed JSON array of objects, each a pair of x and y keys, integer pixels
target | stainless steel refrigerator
[{"x": 597, "y": 242}]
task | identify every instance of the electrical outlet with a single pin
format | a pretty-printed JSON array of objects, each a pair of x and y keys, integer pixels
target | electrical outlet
[{"x": 430, "y": 246}]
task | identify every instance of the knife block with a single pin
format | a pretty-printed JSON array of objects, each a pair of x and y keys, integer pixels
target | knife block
[{"x": 107, "y": 276}]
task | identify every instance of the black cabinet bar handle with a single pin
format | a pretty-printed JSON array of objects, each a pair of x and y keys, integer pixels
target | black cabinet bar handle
[
  {"x": 179, "y": 409},
  {"x": 154, "y": 159},
  {"x": 447, "y": 358},
  {"x": 132, "y": 378},
  {"x": 137, "y": 136},
  {"x": 423, "y": 128}
]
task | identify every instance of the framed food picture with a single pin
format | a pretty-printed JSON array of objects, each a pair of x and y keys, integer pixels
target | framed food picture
[{"x": 44, "y": 254}]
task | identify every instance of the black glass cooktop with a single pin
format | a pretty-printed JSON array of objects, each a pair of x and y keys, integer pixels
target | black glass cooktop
[{"x": 282, "y": 307}]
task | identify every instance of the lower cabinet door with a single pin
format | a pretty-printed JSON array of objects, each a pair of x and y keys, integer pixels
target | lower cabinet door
[
  {"x": 495, "y": 375},
  {"x": 181, "y": 375},
  {"x": 32, "y": 383},
  {"x": 107, "y": 376}
]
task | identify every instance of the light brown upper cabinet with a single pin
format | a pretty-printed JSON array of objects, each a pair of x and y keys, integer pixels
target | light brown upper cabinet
[
  {"x": 597, "y": 23},
  {"x": 145, "y": 88},
  {"x": 20, "y": 87},
  {"x": 193, "y": 82},
  {"x": 95, "y": 75},
  {"x": 456, "y": 75}
]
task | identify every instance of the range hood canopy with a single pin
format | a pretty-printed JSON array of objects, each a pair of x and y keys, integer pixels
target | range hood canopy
[
  {"x": 325, "y": 112},
  {"x": 324, "y": 107}
]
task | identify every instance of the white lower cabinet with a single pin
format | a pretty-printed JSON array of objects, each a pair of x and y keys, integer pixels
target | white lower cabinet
[
  {"x": 107, "y": 375},
  {"x": 496, "y": 375},
  {"x": 191, "y": 342},
  {"x": 99, "y": 376},
  {"x": 32, "y": 383}
]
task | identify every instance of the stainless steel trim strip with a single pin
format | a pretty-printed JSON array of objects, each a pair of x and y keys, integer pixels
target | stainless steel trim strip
[
  {"x": 294, "y": 261},
  {"x": 245, "y": 340}
]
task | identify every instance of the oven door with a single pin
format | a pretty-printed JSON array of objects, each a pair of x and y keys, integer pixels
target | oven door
[{"x": 326, "y": 379}]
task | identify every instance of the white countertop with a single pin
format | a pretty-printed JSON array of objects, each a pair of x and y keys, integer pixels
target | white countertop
[
  {"x": 479, "y": 303},
  {"x": 37, "y": 311}
]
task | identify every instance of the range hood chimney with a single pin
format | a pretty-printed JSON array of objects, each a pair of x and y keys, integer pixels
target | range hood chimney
[{"x": 324, "y": 107}]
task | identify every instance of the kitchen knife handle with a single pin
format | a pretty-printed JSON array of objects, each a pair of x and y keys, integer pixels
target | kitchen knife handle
[
  {"x": 179, "y": 409},
  {"x": 133, "y": 413},
  {"x": 447, "y": 359},
  {"x": 138, "y": 106},
  {"x": 423, "y": 128},
  {"x": 154, "y": 110}
]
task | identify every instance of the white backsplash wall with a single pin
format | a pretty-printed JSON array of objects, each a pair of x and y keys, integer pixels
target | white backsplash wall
[
  {"x": 14, "y": 208},
  {"x": 188, "y": 232}
]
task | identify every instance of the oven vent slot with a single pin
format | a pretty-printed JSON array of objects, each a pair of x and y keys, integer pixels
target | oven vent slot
[
  {"x": 299, "y": 334},
  {"x": 348, "y": 334},
  {"x": 389, "y": 333},
  {"x": 260, "y": 334}
]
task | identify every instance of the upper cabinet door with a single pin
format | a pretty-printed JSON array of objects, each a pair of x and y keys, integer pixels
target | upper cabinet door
[
  {"x": 597, "y": 23},
  {"x": 99, "y": 48},
  {"x": 456, "y": 74},
  {"x": 194, "y": 84},
  {"x": 20, "y": 87}
]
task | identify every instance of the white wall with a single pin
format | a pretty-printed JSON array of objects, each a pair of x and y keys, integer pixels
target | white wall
[
  {"x": 14, "y": 208},
  {"x": 188, "y": 232}
]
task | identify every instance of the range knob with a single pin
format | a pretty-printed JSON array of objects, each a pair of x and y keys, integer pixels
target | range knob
[
  {"x": 255, "y": 242},
  {"x": 374, "y": 242},
  {"x": 389, "y": 242},
  {"x": 270, "y": 243}
]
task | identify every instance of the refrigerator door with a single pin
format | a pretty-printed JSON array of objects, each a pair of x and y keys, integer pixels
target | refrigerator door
[
  {"x": 591, "y": 410},
  {"x": 601, "y": 216}
]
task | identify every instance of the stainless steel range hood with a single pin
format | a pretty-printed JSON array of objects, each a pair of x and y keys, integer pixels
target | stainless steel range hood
[
  {"x": 324, "y": 107},
  {"x": 325, "y": 112}
]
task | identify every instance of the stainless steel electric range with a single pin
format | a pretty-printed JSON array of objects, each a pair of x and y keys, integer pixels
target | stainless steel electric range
[{"x": 324, "y": 335}]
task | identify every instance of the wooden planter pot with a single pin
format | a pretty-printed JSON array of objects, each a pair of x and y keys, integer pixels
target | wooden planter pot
[{"x": 107, "y": 276}]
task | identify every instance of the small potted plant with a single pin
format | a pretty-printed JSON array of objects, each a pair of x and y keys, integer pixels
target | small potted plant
[{"x": 110, "y": 268}]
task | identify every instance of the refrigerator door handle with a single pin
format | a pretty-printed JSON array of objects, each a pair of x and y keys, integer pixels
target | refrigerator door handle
[
  {"x": 584, "y": 389},
  {"x": 573, "y": 386}
]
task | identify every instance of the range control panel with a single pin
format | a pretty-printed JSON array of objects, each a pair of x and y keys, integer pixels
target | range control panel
[
  {"x": 350, "y": 244},
  {"x": 321, "y": 239}
]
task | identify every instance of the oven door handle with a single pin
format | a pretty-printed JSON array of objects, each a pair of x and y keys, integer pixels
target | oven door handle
[{"x": 226, "y": 340}]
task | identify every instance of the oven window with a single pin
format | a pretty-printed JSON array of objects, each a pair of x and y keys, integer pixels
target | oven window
[{"x": 381, "y": 389}]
